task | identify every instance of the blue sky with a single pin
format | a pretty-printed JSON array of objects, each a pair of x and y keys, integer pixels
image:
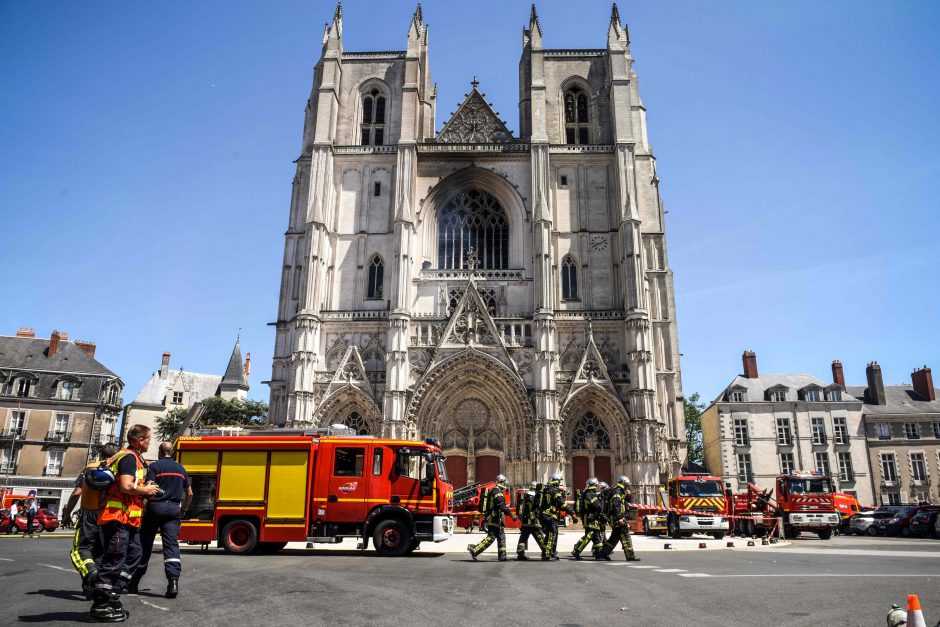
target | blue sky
[{"x": 146, "y": 157}]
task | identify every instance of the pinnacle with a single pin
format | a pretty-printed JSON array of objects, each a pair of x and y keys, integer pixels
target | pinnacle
[
  {"x": 534, "y": 18},
  {"x": 615, "y": 14}
]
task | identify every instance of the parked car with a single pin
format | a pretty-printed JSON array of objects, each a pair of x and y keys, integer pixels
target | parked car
[
  {"x": 936, "y": 528},
  {"x": 48, "y": 520},
  {"x": 860, "y": 522},
  {"x": 923, "y": 522},
  {"x": 881, "y": 515},
  {"x": 899, "y": 524},
  {"x": 18, "y": 525}
]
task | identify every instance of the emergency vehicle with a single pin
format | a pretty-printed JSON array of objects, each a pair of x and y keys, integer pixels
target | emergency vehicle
[
  {"x": 804, "y": 501},
  {"x": 701, "y": 497},
  {"x": 261, "y": 491},
  {"x": 467, "y": 505}
]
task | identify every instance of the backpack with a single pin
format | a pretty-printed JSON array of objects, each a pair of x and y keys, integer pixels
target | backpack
[
  {"x": 580, "y": 503},
  {"x": 539, "y": 498},
  {"x": 484, "y": 504}
]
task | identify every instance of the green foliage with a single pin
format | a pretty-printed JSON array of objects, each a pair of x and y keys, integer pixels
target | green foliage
[
  {"x": 218, "y": 412},
  {"x": 168, "y": 425},
  {"x": 693, "y": 428}
]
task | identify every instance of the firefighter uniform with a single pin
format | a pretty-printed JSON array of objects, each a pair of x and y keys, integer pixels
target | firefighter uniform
[
  {"x": 494, "y": 521},
  {"x": 529, "y": 515},
  {"x": 163, "y": 515},
  {"x": 591, "y": 512},
  {"x": 620, "y": 528},
  {"x": 86, "y": 543},
  {"x": 119, "y": 525},
  {"x": 552, "y": 507}
]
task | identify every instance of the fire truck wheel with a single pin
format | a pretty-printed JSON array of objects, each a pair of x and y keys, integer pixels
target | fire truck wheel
[
  {"x": 674, "y": 531},
  {"x": 646, "y": 527},
  {"x": 718, "y": 535},
  {"x": 391, "y": 538},
  {"x": 825, "y": 534},
  {"x": 239, "y": 537},
  {"x": 790, "y": 532}
]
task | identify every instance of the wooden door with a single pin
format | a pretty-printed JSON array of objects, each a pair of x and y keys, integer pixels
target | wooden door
[
  {"x": 456, "y": 470},
  {"x": 487, "y": 467},
  {"x": 579, "y": 472},
  {"x": 602, "y": 469}
]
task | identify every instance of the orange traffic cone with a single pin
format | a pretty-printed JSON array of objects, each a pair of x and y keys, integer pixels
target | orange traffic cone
[{"x": 915, "y": 617}]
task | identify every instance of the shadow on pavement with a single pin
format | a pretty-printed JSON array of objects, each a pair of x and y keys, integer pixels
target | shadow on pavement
[
  {"x": 68, "y": 595},
  {"x": 313, "y": 552},
  {"x": 76, "y": 617}
]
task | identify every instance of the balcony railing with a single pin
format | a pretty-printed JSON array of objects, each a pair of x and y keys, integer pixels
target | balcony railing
[
  {"x": 51, "y": 472},
  {"x": 59, "y": 436},
  {"x": 12, "y": 433},
  {"x": 7, "y": 469}
]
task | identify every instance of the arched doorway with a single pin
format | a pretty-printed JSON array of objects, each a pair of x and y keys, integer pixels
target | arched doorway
[
  {"x": 591, "y": 450},
  {"x": 472, "y": 439}
]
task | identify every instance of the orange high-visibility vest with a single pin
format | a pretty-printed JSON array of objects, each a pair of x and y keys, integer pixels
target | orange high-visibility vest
[{"x": 126, "y": 509}]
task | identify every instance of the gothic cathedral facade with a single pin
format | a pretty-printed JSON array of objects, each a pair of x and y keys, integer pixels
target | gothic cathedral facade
[{"x": 508, "y": 295}]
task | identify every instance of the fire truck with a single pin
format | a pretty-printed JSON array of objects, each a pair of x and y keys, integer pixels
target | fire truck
[
  {"x": 467, "y": 505},
  {"x": 258, "y": 492},
  {"x": 702, "y": 496},
  {"x": 805, "y": 502}
]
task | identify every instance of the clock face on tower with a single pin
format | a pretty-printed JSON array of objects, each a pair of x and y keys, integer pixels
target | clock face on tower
[{"x": 598, "y": 243}]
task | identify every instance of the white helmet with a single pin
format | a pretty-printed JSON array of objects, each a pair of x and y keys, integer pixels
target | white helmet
[
  {"x": 555, "y": 477},
  {"x": 623, "y": 480},
  {"x": 501, "y": 479},
  {"x": 592, "y": 482}
]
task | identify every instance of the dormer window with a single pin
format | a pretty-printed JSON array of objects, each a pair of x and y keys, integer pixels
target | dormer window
[
  {"x": 576, "y": 117},
  {"x": 373, "y": 119},
  {"x": 833, "y": 394},
  {"x": 777, "y": 394},
  {"x": 177, "y": 398},
  {"x": 811, "y": 394},
  {"x": 68, "y": 390},
  {"x": 735, "y": 395},
  {"x": 23, "y": 387}
]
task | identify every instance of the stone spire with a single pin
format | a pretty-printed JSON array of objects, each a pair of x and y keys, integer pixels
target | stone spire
[
  {"x": 535, "y": 29},
  {"x": 234, "y": 381},
  {"x": 617, "y": 34}
]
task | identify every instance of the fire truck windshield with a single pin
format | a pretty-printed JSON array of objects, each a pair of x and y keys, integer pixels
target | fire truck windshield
[
  {"x": 709, "y": 487},
  {"x": 814, "y": 485}
]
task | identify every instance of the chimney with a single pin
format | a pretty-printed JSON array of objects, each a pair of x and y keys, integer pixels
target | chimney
[
  {"x": 923, "y": 384},
  {"x": 63, "y": 336},
  {"x": 750, "y": 364},
  {"x": 837, "y": 376},
  {"x": 24, "y": 332},
  {"x": 88, "y": 347},
  {"x": 875, "y": 394},
  {"x": 165, "y": 366},
  {"x": 53, "y": 344},
  {"x": 247, "y": 365}
]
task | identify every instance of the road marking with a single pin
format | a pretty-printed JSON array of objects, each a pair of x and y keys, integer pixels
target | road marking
[
  {"x": 694, "y": 575},
  {"x": 165, "y": 609},
  {"x": 868, "y": 553},
  {"x": 670, "y": 570},
  {"x": 823, "y": 575},
  {"x": 68, "y": 570},
  {"x": 5, "y": 559},
  {"x": 643, "y": 566}
]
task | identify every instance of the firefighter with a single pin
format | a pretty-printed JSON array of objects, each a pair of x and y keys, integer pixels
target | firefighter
[
  {"x": 86, "y": 546},
  {"x": 119, "y": 525},
  {"x": 591, "y": 509},
  {"x": 164, "y": 514},
  {"x": 529, "y": 515},
  {"x": 603, "y": 492},
  {"x": 495, "y": 512},
  {"x": 551, "y": 507},
  {"x": 620, "y": 528}
]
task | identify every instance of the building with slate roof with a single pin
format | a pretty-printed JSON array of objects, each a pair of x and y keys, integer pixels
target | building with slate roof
[
  {"x": 57, "y": 403},
  {"x": 902, "y": 424},
  {"x": 505, "y": 291},
  {"x": 763, "y": 425},
  {"x": 178, "y": 389}
]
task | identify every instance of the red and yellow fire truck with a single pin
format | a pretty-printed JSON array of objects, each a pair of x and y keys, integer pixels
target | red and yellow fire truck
[
  {"x": 702, "y": 504},
  {"x": 261, "y": 491},
  {"x": 804, "y": 502}
]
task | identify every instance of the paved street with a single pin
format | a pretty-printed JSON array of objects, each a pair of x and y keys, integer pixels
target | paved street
[{"x": 845, "y": 581}]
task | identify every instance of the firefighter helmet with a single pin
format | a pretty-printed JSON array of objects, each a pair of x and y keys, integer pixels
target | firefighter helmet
[
  {"x": 99, "y": 478},
  {"x": 601, "y": 485},
  {"x": 623, "y": 480},
  {"x": 592, "y": 482},
  {"x": 534, "y": 485},
  {"x": 555, "y": 478}
]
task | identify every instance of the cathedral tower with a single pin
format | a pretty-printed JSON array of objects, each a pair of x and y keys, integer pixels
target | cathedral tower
[{"x": 509, "y": 295}]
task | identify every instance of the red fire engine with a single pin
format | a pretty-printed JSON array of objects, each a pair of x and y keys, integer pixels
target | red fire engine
[
  {"x": 805, "y": 502},
  {"x": 702, "y": 496},
  {"x": 261, "y": 491}
]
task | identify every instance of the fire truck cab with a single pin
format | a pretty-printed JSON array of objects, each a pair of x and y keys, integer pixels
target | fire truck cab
[
  {"x": 806, "y": 502},
  {"x": 261, "y": 491},
  {"x": 701, "y": 497}
]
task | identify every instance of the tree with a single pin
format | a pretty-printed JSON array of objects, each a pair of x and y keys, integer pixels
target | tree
[
  {"x": 218, "y": 412},
  {"x": 169, "y": 425},
  {"x": 693, "y": 429}
]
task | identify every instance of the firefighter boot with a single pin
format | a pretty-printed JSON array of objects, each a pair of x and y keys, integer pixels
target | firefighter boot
[
  {"x": 472, "y": 554},
  {"x": 576, "y": 555},
  {"x": 520, "y": 556},
  {"x": 502, "y": 557},
  {"x": 114, "y": 602},
  {"x": 172, "y": 588},
  {"x": 604, "y": 552}
]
